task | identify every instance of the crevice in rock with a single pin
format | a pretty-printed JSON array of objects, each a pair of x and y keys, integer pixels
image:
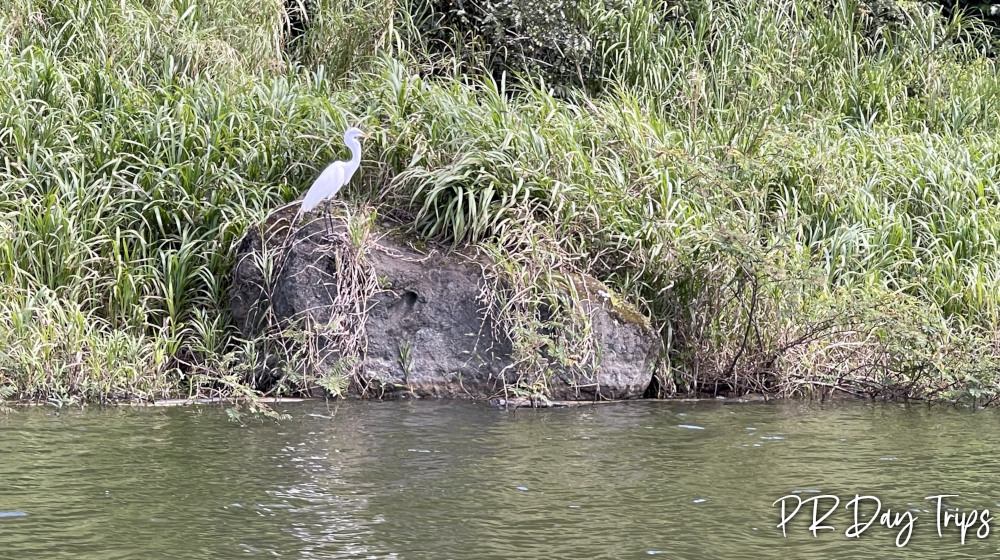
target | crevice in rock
[
  {"x": 653, "y": 389},
  {"x": 409, "y": 299}
]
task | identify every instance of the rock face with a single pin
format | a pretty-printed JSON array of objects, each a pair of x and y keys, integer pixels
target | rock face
[{"x": 426, "y": 330}]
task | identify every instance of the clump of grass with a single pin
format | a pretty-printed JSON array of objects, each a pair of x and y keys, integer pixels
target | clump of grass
[
  {"x": 536, "y": 299},
  {"x": 799, "y": 198}
]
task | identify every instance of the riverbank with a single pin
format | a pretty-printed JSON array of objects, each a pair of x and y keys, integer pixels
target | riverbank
[{"x": 797, "y": 199}]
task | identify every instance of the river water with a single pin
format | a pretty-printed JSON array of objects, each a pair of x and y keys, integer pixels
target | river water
[{"x": 465, "y": 481}]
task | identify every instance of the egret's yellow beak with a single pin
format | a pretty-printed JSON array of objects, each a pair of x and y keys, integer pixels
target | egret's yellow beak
[{"x": 366, "y": 135}]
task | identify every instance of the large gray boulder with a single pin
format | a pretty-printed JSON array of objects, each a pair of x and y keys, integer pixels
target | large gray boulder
[{"x": 425, "y": 328}]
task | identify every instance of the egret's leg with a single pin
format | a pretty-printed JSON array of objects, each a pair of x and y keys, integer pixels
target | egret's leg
[
  {"x": 329, "y": 217},
  {"x": 326, "y": 219}
]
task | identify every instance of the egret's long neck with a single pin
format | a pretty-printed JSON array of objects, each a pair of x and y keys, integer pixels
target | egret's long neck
[{"x": 355, "y": 147}]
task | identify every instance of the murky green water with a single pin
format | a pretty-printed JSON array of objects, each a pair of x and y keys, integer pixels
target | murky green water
[{"x": 460, "y": 480}]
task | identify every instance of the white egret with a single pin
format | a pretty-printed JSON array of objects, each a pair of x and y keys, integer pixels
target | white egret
[{"x": 336, "y": 175}]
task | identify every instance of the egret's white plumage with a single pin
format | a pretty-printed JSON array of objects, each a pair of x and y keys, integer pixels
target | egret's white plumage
[{"x": 336, "y": 175}]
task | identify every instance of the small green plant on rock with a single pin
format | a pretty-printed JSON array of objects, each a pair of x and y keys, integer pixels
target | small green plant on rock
[{"x": 406, "y": 361}]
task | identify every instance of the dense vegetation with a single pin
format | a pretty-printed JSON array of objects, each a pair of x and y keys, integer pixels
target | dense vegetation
[{"x": 801, "y": 194}]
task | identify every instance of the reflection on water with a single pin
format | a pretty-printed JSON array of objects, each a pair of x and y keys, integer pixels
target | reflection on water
[{"x": 465, "y": 481}]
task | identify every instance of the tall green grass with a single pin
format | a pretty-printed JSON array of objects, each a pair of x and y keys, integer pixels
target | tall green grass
[{"x": 800, "y": 196}]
